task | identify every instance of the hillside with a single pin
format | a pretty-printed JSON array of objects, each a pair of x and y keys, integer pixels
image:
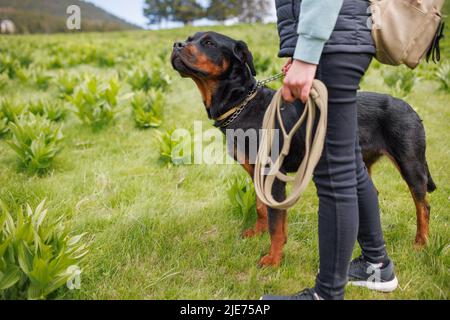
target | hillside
[{"x": 49, "y": 16}]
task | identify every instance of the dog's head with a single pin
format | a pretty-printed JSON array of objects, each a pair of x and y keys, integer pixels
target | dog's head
[
  {"x": 210, "y": 55},
  {"x": 213, "y": 61}
]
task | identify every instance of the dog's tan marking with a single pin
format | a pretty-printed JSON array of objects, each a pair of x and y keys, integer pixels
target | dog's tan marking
[
  {"x": 423, "y": 219},
  {"x": 206, "y": 85},
  {"x": 203, "y": 63},
  {"x": 278, "y": 238},
  {"x": 207, "y": 89},
  {"x": 422, "y": 212}
]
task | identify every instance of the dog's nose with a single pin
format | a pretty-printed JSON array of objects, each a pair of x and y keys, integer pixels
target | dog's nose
[{"x": 179, "y": 45}]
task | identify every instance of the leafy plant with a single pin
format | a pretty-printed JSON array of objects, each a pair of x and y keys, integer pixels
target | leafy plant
[
  {"x": 23, "y": 75},
  {"x": 139, "y": 79},
  {"x": 106, "y": 59},
  {"x": 159, "y": 79},
  {"x": 11, "y": 110},
  {"x": 142, "y": 80},
  {"x": 443, "y": 76},
  {"x": 36, "y": 142},
  {"x": 8, "y": 65},
  {"x": 50, "y": 109},
  {"x": 41, "y": 79},
  {"x": 55, "y": 63},
  {"x": 3, "y": 81},
  {"x": 36, "y": 107},
  {"x": 375, "y": 64},
  {"x": 174, "y": 149},
  {"x": 241, "y": 193},
  {"x": 3, "y": 125},
  {"x": 23, "y": 57},
  {"x": 147, "y": 108},
  {"x": 95, "y": 104},
  {"x": 36, "y": 257},
  {"x": 66, "y": 85},
  {"x": 400, "y": 80},
  {"x": 436, "y": 253}
]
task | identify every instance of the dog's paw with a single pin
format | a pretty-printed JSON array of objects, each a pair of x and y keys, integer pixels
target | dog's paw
[
  {"x": 420, "y": 242},
  {"x": 269, "y": 261},
  {"x": 253, "y": 232},
  {"x": 249, "y": 233},
  {"x": 259, "y": 229}
]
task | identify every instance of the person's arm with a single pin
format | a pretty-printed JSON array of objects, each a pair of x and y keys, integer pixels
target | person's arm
[{"x": 316, "y": 23}]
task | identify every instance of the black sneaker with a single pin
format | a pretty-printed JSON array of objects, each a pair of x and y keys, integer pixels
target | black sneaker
[
  {"x": 378, "y": 277},
  {"x": 307, "y": 294}
]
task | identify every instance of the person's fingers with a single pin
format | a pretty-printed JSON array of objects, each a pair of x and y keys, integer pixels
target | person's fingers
[
  {"x": 304, "y": 94},
  {"x": 295, "y": 91},
  {"x": 286, "y": 93}
]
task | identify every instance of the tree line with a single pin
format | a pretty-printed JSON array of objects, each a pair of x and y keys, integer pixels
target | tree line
[{"x": 186, "y": 11}]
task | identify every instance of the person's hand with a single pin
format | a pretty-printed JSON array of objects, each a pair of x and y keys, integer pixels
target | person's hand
[
  {"x": 298, "y": 81},
  {"x": 286, "y": 66}
]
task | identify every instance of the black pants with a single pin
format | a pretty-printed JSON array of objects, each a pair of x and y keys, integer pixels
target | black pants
[{"x": 348, "y": 200}]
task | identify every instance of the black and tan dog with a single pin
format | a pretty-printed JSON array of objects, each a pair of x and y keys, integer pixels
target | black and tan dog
[{"x": 223, "y": 70}]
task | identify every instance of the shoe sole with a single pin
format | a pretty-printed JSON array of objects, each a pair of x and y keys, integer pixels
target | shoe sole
[{"x": 387, "y": 286}]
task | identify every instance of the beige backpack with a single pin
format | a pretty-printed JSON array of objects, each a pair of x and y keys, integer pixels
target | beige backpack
[{"x": 405, "y": 31}]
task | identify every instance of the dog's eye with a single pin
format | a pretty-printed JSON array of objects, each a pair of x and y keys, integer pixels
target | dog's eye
[{"x": 208, "y": 43}]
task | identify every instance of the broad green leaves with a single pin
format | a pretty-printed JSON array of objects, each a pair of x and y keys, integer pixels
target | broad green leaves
[
  {"x": 36, "y": 141},
  {"x": 243, "y": 198},
  {"x": 95, "y": 103},
  {"x": 142, "y": 79},
  {"x": 36, "y": 257},
  {"x": 148, "y": 108}
]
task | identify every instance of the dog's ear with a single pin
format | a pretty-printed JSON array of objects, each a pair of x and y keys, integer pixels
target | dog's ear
[{"x": 244, "y": 55}]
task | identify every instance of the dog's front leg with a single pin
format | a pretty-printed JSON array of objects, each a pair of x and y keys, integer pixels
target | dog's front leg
[
  {"x": 261, "y": 224},
  {"x": 277, "y": 229},
  {"x": 278, "y": 238}
]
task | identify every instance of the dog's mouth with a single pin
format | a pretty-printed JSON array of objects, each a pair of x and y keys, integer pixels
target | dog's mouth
[
  {"x": 179, "y": 65},
  {"x": 183, "y": 67}
]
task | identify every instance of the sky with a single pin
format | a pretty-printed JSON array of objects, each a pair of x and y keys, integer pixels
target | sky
[{"x": 131, "y": 11}]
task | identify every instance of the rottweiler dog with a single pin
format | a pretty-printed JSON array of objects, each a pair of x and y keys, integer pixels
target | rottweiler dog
[{"x": 223, "y": 71}]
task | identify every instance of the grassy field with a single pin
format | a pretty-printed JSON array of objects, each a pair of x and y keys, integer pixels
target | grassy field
[{"x": 159, "y": 232}]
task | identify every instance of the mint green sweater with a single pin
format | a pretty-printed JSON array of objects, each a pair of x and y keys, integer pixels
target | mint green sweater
[{"x": 316, "y": 23}]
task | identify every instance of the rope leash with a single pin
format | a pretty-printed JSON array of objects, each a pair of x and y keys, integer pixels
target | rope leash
[{"x": 313, "y": 147}]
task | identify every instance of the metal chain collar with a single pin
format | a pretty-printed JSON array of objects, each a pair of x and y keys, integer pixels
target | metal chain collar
[{"x": 250, "y": 96}]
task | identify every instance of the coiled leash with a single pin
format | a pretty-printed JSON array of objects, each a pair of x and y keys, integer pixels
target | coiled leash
[{"x": 264, "y": 180}]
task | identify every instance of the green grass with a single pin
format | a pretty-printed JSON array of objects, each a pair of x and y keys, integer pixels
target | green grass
[{"x": 170, "y": 232}]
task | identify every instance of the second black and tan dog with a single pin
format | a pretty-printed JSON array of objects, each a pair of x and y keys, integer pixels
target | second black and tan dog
[{"x": 224, "y": 72}]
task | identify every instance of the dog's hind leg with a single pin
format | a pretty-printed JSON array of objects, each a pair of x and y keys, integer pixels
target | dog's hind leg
[
  {"x": 415, "y": 173},
  {"x": 277, "y": 229},
  {"x": 423, "y": 218}
]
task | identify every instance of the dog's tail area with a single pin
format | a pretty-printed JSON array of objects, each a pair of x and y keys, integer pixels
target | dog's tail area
[{"x": 431, "y": 186}]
